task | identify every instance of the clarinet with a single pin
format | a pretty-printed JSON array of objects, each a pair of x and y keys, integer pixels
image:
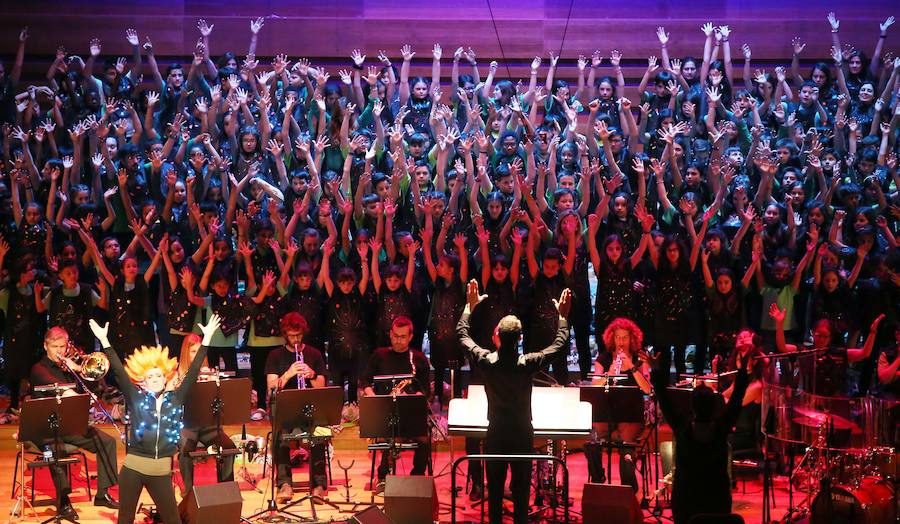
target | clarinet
[
  {"x": 298, "y": 357},
  {"x": 615, "y": 369}
]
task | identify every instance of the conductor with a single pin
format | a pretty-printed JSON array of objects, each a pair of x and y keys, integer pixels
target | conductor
[{"x": 507, "y": 381}]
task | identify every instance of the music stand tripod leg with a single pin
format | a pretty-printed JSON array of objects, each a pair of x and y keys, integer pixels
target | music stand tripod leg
[{"x": 21, "y": 501}]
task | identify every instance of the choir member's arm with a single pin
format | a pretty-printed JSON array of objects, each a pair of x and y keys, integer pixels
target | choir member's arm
[{"x": 856, "y": 355}]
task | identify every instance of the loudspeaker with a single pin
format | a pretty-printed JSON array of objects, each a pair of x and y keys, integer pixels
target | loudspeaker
[
  {"x": 212, "y": 504},
  {"x": 371, "y": 515},
  {"x": 410, "y": 500},
  {"x": 610, "y": 504}
]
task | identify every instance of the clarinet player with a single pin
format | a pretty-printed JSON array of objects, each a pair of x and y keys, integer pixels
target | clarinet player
[{"x": 296, "y": 365}]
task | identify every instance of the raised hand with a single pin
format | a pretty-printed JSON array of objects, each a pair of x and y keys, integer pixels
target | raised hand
[
  {"x": 100, "y": 331},
  {"x": 473, "y": 297},
  {"x": 834, "y": 22},
  {"x": 615, "y": 58},
  {"x": 209, "y": 329},
  {"x": 662, "y": 35},
  {"x": 132, "y": 37},
  {"x": 205, "y": 29},
  {"x": 407, "y": 52},
  {"x": 564, "y": 304},
  {"x": 777, "y": 314},
  {"x": 256, "y": 25}
]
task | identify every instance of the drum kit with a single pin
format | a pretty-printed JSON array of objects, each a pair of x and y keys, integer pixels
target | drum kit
[{"x": 849, "y": 472}]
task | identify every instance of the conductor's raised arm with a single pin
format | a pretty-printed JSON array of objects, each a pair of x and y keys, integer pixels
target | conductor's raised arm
[{"x": 473, "y": 298}]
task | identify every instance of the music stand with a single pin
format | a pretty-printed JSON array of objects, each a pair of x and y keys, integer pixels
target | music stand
[
  {"x": 234, "y": 396},
  {"x": 42, "y": 420},
  {"x": 305, "y": 409},
  {"x": 613, "y": 405},
  {"x": 216, "y": 403},
  {"x": 393, "y": 417}
]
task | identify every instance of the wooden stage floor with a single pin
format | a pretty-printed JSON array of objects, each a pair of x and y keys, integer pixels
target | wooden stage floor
[{"x": 348, "y": 448}]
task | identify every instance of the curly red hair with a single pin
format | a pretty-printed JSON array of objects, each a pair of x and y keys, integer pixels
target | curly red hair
[{"x": 637, "y": 336}]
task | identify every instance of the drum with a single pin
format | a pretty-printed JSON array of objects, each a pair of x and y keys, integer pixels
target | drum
[
  {"x": 869, "y": 503},
  {"x": 847, "y": 468},
  {"x": 883, "y": 462}
]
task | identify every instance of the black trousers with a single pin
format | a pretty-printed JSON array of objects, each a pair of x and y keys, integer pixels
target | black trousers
[
  {"x": 258, "y": 356},
  {"x": 582, "y": 328},
  {"x": 131, "y": 483},
  {"x": 318, "y": 475},
  {"x": 475, "y": 467},
  {"x": 345, "y": 368},
  {"x": 229, "y": 357},
  {"x": 104, "y": 447},
  {"x": 420, "y": 458},
  {"x": 504, "y": 439},
  {"x": 210, "y": 436}
]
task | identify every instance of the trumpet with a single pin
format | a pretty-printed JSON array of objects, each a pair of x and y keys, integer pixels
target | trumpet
[{"x": 94, "y": 366}]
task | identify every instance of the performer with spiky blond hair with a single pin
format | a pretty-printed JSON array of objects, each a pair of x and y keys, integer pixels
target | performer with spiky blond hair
[{"x": 156, "y": 411}]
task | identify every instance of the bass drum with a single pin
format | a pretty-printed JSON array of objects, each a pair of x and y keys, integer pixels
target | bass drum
[{"x": 872, "y": 502}]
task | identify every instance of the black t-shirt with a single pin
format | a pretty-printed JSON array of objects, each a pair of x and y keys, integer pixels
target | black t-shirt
[
  {"x": 386, "y": 361},
  {"x": 280, "y": 359},
  {"x": 47, "y": 372}
]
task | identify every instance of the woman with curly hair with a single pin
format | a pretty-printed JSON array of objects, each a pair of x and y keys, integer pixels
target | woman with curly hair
[{"x": 623, "y": 340}]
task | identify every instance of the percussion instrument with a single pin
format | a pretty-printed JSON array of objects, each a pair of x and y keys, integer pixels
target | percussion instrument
[{"x": 868, "y": 503}]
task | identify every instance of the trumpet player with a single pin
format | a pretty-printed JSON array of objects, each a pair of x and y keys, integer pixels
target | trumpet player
[
  {"x": 56, "y": 367},
  {"x": 296, "y": 365}
]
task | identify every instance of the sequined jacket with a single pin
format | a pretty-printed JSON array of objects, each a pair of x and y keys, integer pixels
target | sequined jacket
[{"x": 152, "y": 433}]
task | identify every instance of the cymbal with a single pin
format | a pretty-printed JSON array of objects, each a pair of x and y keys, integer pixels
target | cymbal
[
  {"x": 837, "y": 422},
  {"x": 821, "y": 415}
]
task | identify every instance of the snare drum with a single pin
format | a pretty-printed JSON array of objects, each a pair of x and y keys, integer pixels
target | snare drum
[{"x": 869, "y": 503}]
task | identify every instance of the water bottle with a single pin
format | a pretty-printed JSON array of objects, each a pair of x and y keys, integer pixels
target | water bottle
[{"x": 48, "y": 453}]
